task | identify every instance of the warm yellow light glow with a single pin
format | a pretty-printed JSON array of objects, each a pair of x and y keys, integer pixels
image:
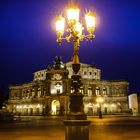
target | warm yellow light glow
[
  {"x": 38, "y": 106},
  {"x": 105, "y": 105},
  {"x": 55, "y": 106},
  {"x": 100, "y": 100},
  {"x": 54, "y": 109},
  {"x": 25, "y": 106},
  {"x": 73, "y": 14},
  {"x": 17, "y": 106},
  {"x": 90, "y": 20},
  {"x": 60, "y": 21},
  {"x": 78, "y": 28},
  {"x": 74, "y": 27},
  {"x": 30, "y": 106},
  {"x": 113, "y": 105}
]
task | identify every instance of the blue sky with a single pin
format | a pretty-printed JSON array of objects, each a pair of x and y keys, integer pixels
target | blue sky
[{"x": 28, "y": 41}]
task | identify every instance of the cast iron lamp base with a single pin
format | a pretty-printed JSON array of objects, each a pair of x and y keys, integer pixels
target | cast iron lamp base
[{"x": 76, "y": 107}]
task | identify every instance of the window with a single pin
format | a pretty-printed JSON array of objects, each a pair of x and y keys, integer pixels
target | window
[
  {"x": 85, "y": 72},
  {"x": 104, "y": 91},
  {"x": 97, "y": 91},
  {"x": 39, "y": 92},
  {"x": 30, "y": 93},
  {"x": 33, "y": 92},
  {"x": 90, "y": 73},
  {"x": 44, "y": 91},
  {"x": 23, "y": 92},
  {"x": 89, "y": 91},
  {"x": 59, "y": 88},
  {"x": 15, "y": 95},
  {"x": 56, "y": 88}
]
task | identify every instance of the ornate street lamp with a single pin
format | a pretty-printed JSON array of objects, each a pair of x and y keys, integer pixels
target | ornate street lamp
[
  {"x": 77, "y": 127},
  {"x": 73, "y": 31},
  {"x": 100, "y": 100}
]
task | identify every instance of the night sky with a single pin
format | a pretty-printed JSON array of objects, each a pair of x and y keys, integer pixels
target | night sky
[{"x": 28, "y": 40}]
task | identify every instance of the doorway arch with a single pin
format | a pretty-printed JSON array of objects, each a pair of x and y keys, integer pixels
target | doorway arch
[{"x": 55, "y": 107}]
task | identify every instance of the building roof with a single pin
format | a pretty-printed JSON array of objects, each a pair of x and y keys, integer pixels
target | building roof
[{"x": 68, "y": 64}]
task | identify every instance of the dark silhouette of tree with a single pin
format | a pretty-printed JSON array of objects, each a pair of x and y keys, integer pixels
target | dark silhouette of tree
[{"x": 2, "y": 95}]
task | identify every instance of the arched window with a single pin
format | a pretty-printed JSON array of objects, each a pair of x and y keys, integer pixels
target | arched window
[
  {"x": 89, "y": 91},
  {"x": 58, "y": 87},
  {"x": 90, "y": 73},
  {"x": 85, "y": 73},
  {"x": 104, "y": 91},
  {"x": 97, "y": 91}
]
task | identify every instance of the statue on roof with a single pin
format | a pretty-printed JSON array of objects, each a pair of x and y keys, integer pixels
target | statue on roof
[{"x": 58, "y": 64}]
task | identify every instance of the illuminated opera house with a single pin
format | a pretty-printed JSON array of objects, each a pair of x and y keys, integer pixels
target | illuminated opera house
[{"x": 48, "y": 93}]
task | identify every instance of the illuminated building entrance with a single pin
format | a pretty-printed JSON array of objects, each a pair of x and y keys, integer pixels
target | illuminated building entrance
[{"x": 55, "y": 107}]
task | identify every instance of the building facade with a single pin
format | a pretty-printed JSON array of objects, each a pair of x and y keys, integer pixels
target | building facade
[
  {"x": 133, "y": 103},
  {"x": 48, "y": 93}
]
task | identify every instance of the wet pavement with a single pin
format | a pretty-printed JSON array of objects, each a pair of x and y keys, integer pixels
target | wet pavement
[{"x": 52, "y": 128}]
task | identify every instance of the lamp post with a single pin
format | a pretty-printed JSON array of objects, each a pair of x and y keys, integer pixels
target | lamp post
[
  {"x": 100, "y": 100},
  {"x": 76, "y": 119},
  {"x": 74, "y": 33}
]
